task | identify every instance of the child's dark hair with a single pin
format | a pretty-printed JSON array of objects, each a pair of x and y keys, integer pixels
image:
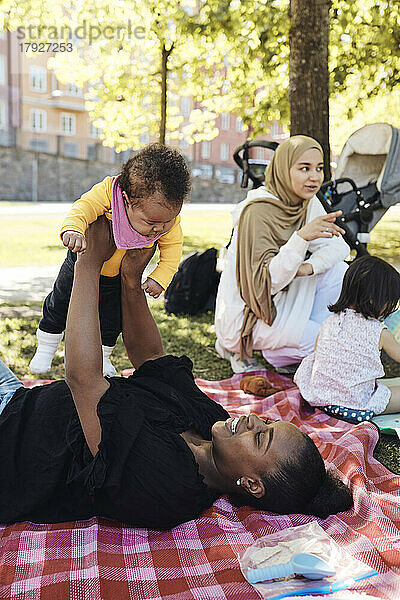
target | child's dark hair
[
  {"x": 371, "y": 287},
  {"x": 156, "y": 169}
]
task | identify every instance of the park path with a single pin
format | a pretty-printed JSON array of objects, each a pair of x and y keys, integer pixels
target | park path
[{"x": 32, "y": 284}]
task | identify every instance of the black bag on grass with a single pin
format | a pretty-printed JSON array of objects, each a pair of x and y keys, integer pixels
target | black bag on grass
[{"x": 193, "y": 288}]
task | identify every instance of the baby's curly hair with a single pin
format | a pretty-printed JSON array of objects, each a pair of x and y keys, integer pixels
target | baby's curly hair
[{"x": 156, "y": 169}]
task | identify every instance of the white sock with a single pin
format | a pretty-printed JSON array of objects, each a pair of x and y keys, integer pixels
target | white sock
[
  {"x": 47, "y": 347},
  {"x": 108, "y": 368}
]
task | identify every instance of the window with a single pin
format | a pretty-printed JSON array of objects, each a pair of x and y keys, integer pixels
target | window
[
  {"x": 185, "y": 106},
  {"x": 274, "y": 128},
  {"x": 73, "y": 90},
  {"x": 93, "y": 89},
  {"x": 37, "y": 77},
  {"x": 204, "y": 171},
  {"x": 38, "y": 120},
  {"x": 38, "y": 145},
  {"x": 205, "y": 149},
  {"x": 225, "y": 174},
  {"x": 124, "y": 155},
  {"x": 224, "y": 152},
  {"x": 144, "y": 138},
  {"x": 94, "y": 131},
  {"x": 71, "y": 150},
  {"x": 225, "y": 121},
  {"x": 260, "y": 153},
  {"x": 3, "y": 115},
  {"x": 100, "y": 152},
  {"x": 112, "y": 155},
  {"x": 2, "y": 70},
  {"x": 68, "y": 124},
  {"x": 92, "y": 151},
  {"x": 239, "y": 125},
  {"x": 183, "y": 144}
]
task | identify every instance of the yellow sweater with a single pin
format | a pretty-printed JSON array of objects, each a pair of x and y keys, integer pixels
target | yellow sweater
[{"x": 96, "y": 202}]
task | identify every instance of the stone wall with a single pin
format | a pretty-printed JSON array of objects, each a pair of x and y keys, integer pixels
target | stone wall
[
  {"x": 59, "y": 179},
  {"x": 215, "y": 191},
  {"x": 62, "y": 179}
]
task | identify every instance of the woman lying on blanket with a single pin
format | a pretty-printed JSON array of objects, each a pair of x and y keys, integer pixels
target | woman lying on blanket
[{"x": 151, "y": 450}]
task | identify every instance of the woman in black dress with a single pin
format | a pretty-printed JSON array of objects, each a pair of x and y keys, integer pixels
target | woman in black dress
[{"x": 151, "y": 450}]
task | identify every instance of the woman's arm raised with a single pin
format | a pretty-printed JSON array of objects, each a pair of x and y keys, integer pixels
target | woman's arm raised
[
  {"x": 139, "y": 331},
  {"x": 83, "y": 356}
]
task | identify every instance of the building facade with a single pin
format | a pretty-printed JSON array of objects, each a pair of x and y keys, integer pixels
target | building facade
[{"x": 40, "y": 114}]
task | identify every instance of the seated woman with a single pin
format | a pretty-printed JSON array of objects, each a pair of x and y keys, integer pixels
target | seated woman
[
  {"x": 284, "y": 264},
  {"x": 151, "y": 450}
]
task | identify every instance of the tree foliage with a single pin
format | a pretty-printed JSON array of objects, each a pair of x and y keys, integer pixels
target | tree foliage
[
  {"x": 229, "y": 55},
  {"x": 364, "y": 57},
  {"x": 124, "y": 73}
]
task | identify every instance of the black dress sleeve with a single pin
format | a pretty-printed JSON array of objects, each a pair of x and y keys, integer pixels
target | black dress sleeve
[
  {"x": 172, "y": 376},
  {"x": 121, "y": 420},
  {"x": 144, "y": 474}
]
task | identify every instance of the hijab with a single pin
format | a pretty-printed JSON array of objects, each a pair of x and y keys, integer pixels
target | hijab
[{"x": 266, "y": 224}]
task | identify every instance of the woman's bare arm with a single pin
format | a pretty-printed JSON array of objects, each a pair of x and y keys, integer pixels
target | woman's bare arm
[
  {"x": 83, "y": 356},
  {"x": 139, "y": 331}
]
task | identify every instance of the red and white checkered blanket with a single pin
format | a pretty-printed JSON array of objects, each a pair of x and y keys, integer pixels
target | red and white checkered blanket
[{"x": 100, "y": 560}]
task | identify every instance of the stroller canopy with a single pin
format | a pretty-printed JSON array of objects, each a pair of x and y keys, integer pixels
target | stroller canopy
[{"x": 372, "y": 155}]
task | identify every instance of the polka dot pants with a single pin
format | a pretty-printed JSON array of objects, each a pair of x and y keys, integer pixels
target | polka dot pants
[{"x": 351, "y": 415}]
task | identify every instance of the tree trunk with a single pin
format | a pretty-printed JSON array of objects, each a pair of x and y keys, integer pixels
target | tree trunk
[
  {"x": 164, "y": 83},
  {"x": 309, "y": 72}
]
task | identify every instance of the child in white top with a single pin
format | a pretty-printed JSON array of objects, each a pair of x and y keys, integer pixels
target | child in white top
[{"x": 340, "y": 376}]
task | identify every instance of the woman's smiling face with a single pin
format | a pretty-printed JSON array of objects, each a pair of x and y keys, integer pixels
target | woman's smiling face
[
  {"x": 307, "y": 174},
  {"x": 251, "y": 447}
]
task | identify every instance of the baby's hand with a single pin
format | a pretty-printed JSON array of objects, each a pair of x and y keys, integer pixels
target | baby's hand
[
  {"x": 74, "y": 241},
  {"x": 152, "y": 288}
]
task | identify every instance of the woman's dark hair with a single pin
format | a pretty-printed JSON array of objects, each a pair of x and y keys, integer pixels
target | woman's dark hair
[
  {"x": 156, "y": 169},
  {"x": 371, "y": 287},
  {"x": 301, "y": 484}
]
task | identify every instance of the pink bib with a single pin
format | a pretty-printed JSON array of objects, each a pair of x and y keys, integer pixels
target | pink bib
[{"x": 125, "y": 236}]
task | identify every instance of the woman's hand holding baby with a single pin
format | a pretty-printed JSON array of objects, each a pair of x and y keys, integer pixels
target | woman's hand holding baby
[
  {"x": 152, "y": 288},
  {"x": 321, "y": 227},
  {"x": 74, "y": 241}
]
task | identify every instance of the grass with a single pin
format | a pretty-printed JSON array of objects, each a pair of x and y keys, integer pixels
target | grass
[
  {"x": 32, "y": 241},
  {"x": 385, "y": 240},
  {"x": 35, "y": 242},
  {"x": 194, "y": 336}
]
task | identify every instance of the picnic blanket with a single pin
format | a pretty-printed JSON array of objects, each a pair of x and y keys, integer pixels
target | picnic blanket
[{"x": 103, "y": 560}]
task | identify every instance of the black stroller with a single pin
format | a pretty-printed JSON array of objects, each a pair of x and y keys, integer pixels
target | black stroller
[
  {"x": 366, "y": 184},
  {"x": 253, "y": 169}
]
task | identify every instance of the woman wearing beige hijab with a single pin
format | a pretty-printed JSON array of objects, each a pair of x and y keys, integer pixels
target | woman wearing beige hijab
[{"x": 284, "y": 264}]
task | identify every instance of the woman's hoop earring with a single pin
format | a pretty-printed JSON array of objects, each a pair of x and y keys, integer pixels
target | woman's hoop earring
[{"x": 239, "y": 481}]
